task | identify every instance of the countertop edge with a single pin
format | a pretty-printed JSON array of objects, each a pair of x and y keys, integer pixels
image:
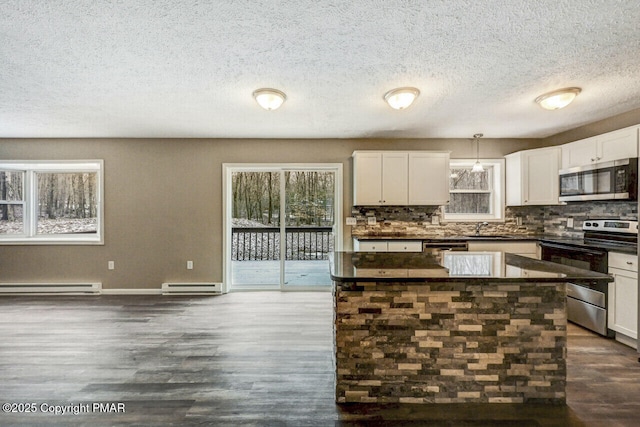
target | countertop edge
[{"x": 570, "y": 274}]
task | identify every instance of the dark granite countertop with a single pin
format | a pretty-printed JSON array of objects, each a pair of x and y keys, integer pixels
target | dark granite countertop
[
  {"x": 433, "y": 237},
  {"x": 452, "y": 266},
  {"x": 502, "y": 238}
]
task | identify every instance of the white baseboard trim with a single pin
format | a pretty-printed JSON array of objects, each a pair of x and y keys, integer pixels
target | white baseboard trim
[
  {"x": 126, "y": 291},
  {"x": 70, "y": 288},
  {"x": 627, "y": 340},
  {"x": 89, "y": 289},
  {"x": 191, "y": 288}
]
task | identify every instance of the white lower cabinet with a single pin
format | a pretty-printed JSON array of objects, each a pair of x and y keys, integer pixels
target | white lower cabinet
[
  {"x": 524, "y": 248},
  {"x": 528, "y": 249},
  {"x": 405, "y": 246},
  {"x": 370, "y": 246},
  {"x": 387, "y": 245},
  {"x": 623, "y": 297}
]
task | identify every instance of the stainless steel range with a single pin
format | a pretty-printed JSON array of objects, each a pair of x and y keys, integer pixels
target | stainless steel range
[{"x": 587, "y": 303}]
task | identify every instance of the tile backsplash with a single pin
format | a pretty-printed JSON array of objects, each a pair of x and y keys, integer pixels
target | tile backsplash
[
  {"x": 555, "y": 219},
  {"x": 526, "y": 220}
]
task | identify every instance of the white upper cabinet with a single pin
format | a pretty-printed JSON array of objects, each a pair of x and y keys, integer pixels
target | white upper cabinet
[
  {"x": 380, "y": 178},
  {"x": 532, "y": 177},
  {"x": 400, "y": 178},
  {"x": 579, "y": 153},
  {"x": 367, "y": 178},
  {"x": 395, "y": 178},
  {"x": 429, "y": 178},
  {"x": 620, "y": 144}
]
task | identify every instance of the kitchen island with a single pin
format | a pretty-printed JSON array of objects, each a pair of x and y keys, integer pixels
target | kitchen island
[{"x": 451, "y": 327}]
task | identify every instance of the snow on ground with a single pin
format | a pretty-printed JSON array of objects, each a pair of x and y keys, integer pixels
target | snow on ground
[{"x": 53, "y": 226}]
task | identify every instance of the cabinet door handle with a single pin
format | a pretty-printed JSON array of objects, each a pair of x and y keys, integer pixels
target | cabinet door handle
[{"x": 629, "y": 262}]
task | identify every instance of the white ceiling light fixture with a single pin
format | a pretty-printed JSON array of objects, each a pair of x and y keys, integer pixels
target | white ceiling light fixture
[
  {"x": 401, "y": 98},
  {"x": 477, "y": 167},
  {"x": 558, "y": 98},
  {"x": 269, "y": 99}
]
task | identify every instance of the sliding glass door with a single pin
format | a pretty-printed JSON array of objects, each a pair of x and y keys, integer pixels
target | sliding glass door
[
  {"x": 255, "y": 227},
  {"x": 309, "y": 200},
  {"x": 280, "y": 226}
]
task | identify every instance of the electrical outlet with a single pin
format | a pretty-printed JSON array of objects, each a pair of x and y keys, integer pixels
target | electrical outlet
[
  {"x": 189, "y": 265},
  {"x": 111, "y": 265},
  {"x": 371, "y": 220},
  {"x": 351, "y": 220},
  {"x": 569, "y": 222},
  {"x": 435, "y": 220}
]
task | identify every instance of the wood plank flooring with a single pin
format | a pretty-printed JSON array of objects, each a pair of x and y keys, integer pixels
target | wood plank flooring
[{"x": 245, "y": 359}]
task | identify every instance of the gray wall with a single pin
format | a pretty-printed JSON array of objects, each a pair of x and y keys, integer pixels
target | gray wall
[{"x": 163, "y": 202}]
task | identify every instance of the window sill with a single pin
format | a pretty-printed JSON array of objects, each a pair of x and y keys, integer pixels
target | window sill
[{"x": 51, "y": 241}]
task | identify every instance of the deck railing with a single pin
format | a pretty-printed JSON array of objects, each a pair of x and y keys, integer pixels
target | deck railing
[{"x": 263, "y": 243}]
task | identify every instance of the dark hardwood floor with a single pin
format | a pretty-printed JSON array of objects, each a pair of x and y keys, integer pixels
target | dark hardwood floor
[{"x": 262, "y": 359}]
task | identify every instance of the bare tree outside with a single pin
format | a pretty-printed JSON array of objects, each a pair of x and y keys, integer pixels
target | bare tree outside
[
  {"x": 256, "y": 198},
  {"x": 470, "y": 191},
  {"x": 308, "y": 217},
  {"x": 309, "y": 198},
  {"x": 66, "y": 202},
  {"x": 11, "y": 202}
]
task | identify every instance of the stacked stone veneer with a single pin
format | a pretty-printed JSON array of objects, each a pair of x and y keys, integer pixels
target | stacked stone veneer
[
  {"x": 533, "y": 220},
  {"x": 449, "y": 342}
]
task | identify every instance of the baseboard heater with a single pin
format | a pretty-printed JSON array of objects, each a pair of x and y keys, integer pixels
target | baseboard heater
[
  {"x": 191, "y": 288},
  {"x": 50, "y": 288}
]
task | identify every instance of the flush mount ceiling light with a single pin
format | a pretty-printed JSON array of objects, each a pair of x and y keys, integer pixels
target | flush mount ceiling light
[
  {"x": 269, "y": 99},
  {"x": 558, "y": 98},
  {"x": 402, "y": 97},
  {"x": 477, "y": 167}
]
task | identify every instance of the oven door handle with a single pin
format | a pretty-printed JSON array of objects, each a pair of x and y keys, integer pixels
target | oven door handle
[{"x": 590, "y": 252}]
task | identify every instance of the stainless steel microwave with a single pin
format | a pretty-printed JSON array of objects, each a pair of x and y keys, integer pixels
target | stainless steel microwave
[{"x": 616, "y": 180}]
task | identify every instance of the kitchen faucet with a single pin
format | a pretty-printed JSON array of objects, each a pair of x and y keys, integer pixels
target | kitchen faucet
[{"x": 479, "y": 226}]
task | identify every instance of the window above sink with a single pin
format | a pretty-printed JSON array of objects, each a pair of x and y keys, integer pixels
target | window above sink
[{"x": 475, "y": 196}]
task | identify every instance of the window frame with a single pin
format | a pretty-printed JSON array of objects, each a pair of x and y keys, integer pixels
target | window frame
[
  {"x": 31, "y": 168},
  {"x": 498, "y": 191}
]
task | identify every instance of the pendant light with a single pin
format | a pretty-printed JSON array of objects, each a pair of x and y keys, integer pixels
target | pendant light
[{"x": 477, "y": 167}]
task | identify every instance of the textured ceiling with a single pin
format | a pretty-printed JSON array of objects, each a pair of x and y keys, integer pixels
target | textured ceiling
[{"x": 187, "y": 68}]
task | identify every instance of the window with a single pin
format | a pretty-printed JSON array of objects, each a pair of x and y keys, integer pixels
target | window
[
  {"x": 51, "y": 202},
  {"x": 475, "y": 196}
]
